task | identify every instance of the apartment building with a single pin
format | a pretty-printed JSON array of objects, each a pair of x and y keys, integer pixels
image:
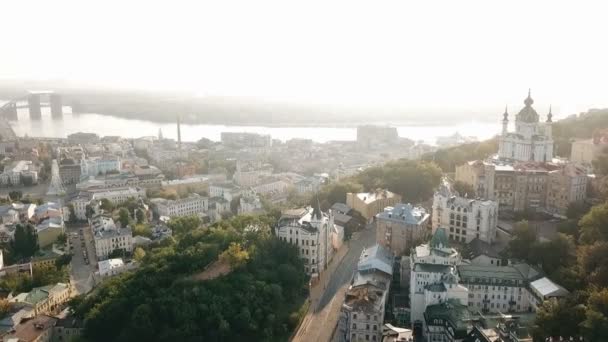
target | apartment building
[
  {"x": 369, "y": 204},
  {"x": 466, "y": 219},
  {"x": 108, "y": 237},
  {"x": 401, "y": 227},
  {"x": 309, "y": 229},
  {"x": 362, "y": 314},
  {"x": 194, "y": 204},
  {"x": 564, "y": 187}
]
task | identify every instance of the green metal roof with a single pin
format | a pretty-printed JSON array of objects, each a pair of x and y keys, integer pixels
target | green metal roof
[{"x": 440, "y": 239}]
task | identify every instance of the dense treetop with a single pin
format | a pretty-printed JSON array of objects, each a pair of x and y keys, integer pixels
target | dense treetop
[{"x": 257, "y": 300}]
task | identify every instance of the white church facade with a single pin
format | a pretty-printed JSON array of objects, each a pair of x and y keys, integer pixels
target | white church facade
[{"x": 531, "y": 141}]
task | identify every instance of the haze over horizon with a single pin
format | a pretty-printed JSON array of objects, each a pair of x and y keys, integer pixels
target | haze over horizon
[{"x": 342, "y": 52}]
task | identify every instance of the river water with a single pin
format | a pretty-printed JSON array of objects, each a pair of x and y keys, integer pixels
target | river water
[{"x": 110, "y": 125}]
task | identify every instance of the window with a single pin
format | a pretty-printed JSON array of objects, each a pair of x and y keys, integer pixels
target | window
[
  {"x": 367, "y": 337},
  {"x": 354, "y": 316},
  {"x": 373, "y": 337},
  {"x": 354, "y": 325},
  {"x": 367, "y": 327},
  {"x": 375, "y": 327}
]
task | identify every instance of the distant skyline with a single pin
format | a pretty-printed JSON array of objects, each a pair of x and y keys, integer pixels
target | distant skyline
[{"x": 434, "y": 54}]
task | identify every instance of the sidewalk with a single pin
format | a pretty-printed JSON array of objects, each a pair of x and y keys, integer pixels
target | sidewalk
[
  {"x": 319, "y": 288},
  {"x": 314, "y": 325}
]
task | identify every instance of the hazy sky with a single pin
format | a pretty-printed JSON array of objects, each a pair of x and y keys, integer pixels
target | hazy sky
[{"x": 411, "y": 53}]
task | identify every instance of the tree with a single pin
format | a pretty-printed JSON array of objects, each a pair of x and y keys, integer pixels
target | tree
[
  {"x": 594, "y": 225},
  {"x": 140, "y": 216},
  {"x": 117, "y": 253},
  {"x": 595, "y": 325},
  {"x": 72, "y": 216},
  {"x": 524, "y": 237},
  {"x": 142, "y": 230},
  {"x": 593, "y": 260},
  {"x": 576, "y": 210},
  {"x": 560, "y": 317},
  {"x": 106, "y": 205},
  {"x": 123, "y": 217},
  {"x": 184, "y": 224},
  {"x": 5, "y": 307},
  {"x": 63, "y": 261},
  {"x": 62, "y": 238},
  {"x": 25, "y": 243},
  {"x": 89, "y": 211},
  {"x": 464, "y": 189},
  {"x": 554, "y": 254},
  {"x": 235, "y": 255},
  {"x": 139, "y": 254},
  {"x": 15, "y": 195}
]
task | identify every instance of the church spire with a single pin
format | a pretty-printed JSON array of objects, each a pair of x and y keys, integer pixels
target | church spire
[
  {"x": 550, "y": 115},
  {"x": 505, "y": 116},
  {"x": 528, "y": 101}
]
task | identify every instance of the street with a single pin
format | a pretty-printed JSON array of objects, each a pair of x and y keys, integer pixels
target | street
[
  {"x": 328, "y": 295},
  {"x": 81, "y": 274}
]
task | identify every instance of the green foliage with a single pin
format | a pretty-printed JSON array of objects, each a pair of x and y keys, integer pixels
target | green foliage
[
  {"x": 235, "y": 255},
  {"x": 140, "y": 216},
  {"x": 184, "y": 224},
  {"x": 595, "y": 325},
  {"x": 464, "y": 189},
  {"x": 593, "y": 260},
  {"x": 139, "y": 254},
  {"x": 576, "y": 210},
  {"x": 558, "y": 318},
  {"x": 106, "y": 205},
  {"x": 447, "y": 159},
  {"x": 524, "y": 237},
  {"x": 5, "y": 307},
  {"x": 161, "y": 302},
  {"x": 62, "y": 238},
  {"x": 117, "y": 253},
  {"x": 25, "y": 243},
  {"x": 415, "y": 181},
  {"x": 594, "y": 224},
  {"x": 72, "y": 216},
  {"x": 89, "y": 211},
  {"x": 63, "y": 260},
  {"x": 123, "y": 217},
  {"x": 142, "y": 230},
  {"x": 335, "y": 192},
  {"x": 15, "y": 195}
]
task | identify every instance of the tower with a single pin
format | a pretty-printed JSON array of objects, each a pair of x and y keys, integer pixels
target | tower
[
  {"x": 160, "y": 134},
  {"x": 505, "y": 121}
]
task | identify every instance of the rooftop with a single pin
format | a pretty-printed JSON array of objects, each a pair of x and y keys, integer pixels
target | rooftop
[
  {"x": 108, "y": 265},
  {"x": 404, "y": 213},
  {"x": 376, "y": 257},
  {"x": 370, "y": 197},
  {"x": 31, "y": 329},
  {"x": 546, "y": 288}
]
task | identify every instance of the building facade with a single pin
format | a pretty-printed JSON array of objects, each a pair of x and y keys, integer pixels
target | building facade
[
  {"x": 564, "y": 187},
  {"x": 194, "y": 204},
  {"x": 466, "y": 219},
  {"x": 401, "y": 227},
  {"x": 371, "y": 203},
  {"x": 108, "y": 237},
  {"x": 531, "y": 141},
  {"x": 309, "y": 229},
  {"x": 362, "y": 314}
]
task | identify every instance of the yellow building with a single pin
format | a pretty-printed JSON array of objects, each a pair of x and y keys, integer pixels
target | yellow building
[{"x": 371, "y": 203}]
